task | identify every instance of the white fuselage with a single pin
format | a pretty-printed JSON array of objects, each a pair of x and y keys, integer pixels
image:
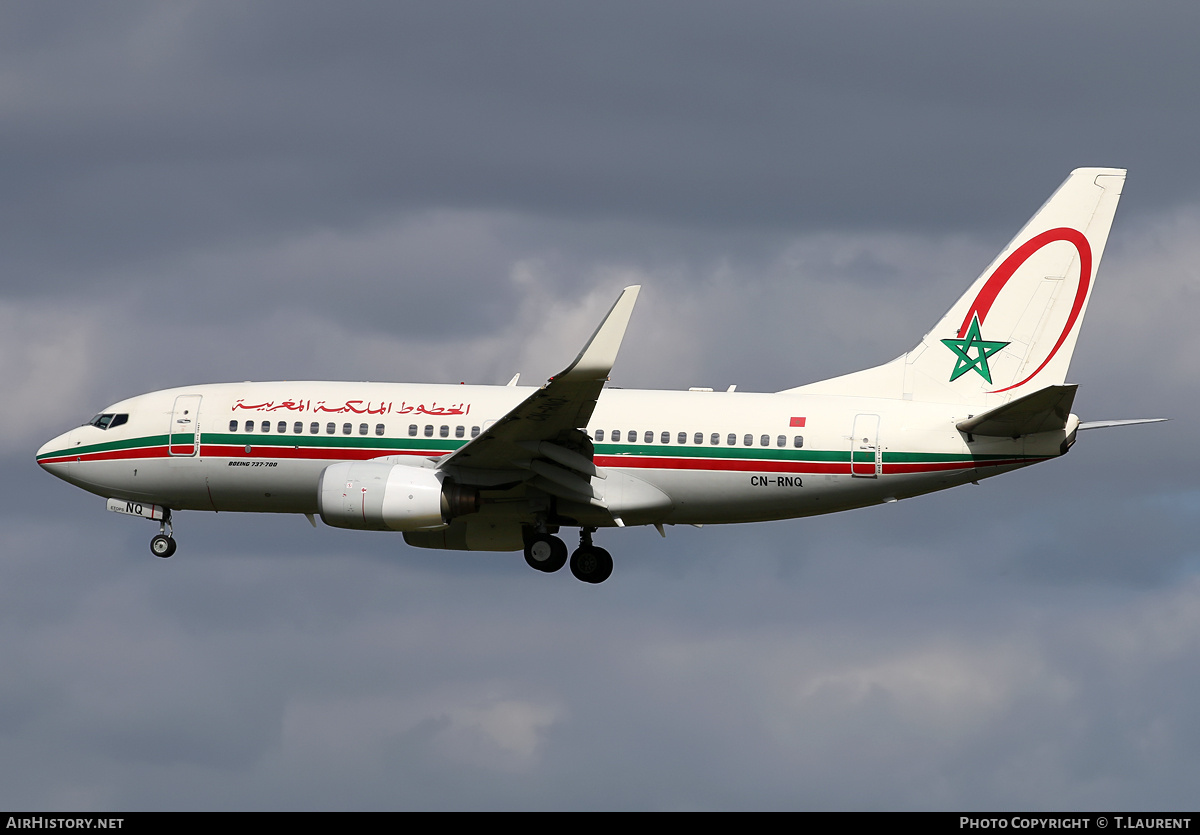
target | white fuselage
[{"x": 719, "y": 456}]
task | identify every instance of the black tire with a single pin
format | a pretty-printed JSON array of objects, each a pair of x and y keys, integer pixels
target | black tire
[
  {"x": 545, "y": 553},
  {"x": 591, "y": 564},
  {"x": 162, "y": 546}
]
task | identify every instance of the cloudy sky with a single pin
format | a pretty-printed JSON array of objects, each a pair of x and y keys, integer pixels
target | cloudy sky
[{"x": 201, "y": 192}]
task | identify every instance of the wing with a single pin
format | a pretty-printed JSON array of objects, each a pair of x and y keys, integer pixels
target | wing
[{"x": 542, "y": 440}]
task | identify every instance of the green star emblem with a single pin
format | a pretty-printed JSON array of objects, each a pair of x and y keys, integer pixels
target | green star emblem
[{"x": 963, "y": 347}]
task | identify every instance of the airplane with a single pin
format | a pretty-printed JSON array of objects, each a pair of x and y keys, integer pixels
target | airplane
[{"x": 506, "y": 468}]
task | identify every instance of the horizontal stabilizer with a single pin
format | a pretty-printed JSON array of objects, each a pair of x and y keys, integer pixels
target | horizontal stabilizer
[
  {"x": 1105, "y": 424},
  {"x": 1043, "y": 411}
]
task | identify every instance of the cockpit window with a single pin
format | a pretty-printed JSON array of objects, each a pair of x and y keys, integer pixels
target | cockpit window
[{"x": 107, "y": 420}]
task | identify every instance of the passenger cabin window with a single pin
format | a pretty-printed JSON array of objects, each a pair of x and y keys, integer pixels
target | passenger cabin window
[
  {"x": 664, "y": 438},
  {"x": 363, "y": 429},
  {"x": 616, "y": 434},
  {"x": 731, "y": 440},
  {"x": 429, "y": 430},
  {"x": 379, "y": 429},
  {"x": 599, "y": 434},
  {"x": 249, "y": 427},
  {"x": 444, "y": 431},
  {"x": 460, "y": 431},
  {"x": 298, "y": 428},
  {"x": 748, "y": 440},
  {"x": 715, "y": 439},
  {"x": 314, "y": 428},
  {"x": 282, "y": 427},
  {"x": 347, "y": 429},
  {"x": 683, "y": 438},
  {"x": 266, "y": 426},
  {"x": 698, "y": 438},
  {"x": 474, "y": 431},
  {"x": 649, "y": 437},
  {"x": 331, "y": 429},
  {"x": 798, "y": 441},
  {"x": 233, "y": 425},
  {"x": 412, "y": 430},
  {"x": 765, "y": 440}
]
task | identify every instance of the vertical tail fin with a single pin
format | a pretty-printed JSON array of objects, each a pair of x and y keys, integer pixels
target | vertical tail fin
[{"x": 1013, "y": 332}]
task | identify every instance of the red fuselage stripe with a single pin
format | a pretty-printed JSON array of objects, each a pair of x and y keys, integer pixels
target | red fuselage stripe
[{"x": 614, "y": 461}]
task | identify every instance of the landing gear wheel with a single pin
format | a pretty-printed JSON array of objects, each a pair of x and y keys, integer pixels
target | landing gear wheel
[
  {"x": 162, "y": 546},
  {"x": 591, "y": 564},
  {"x": 545, "y": 552}
]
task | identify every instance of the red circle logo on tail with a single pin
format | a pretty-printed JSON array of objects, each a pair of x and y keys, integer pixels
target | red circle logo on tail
[{"x": 991, "y": 289}]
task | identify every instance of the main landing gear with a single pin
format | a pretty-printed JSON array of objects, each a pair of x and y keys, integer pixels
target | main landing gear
[
  {"x": 590, "y": 563},
  {"x": 163, "y": 545},
  {"x": 548, "y": 553},
  {"x": 545, "y": 552}
]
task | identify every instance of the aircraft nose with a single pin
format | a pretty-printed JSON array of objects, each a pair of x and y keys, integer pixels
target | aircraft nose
[{"x": 54, "y": 455}]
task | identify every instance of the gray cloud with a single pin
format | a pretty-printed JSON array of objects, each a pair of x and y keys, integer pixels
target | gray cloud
[{"x": 145, "y": 129}]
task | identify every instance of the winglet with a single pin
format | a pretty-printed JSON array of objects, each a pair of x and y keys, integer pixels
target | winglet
[{"x": 597, "y": 357}]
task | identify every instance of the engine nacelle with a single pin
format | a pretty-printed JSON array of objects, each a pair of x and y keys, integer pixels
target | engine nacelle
[{"x": 374, "y": 496}]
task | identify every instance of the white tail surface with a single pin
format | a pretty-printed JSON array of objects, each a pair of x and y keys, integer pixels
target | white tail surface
[{"x": 1013, "y": 332}]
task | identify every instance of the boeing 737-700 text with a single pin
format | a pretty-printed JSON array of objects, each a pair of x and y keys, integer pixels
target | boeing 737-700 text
[{"x": 505, "y": 468}]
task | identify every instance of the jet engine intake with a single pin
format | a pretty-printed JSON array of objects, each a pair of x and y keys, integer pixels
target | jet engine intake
[{"x": 373, "y": 496}]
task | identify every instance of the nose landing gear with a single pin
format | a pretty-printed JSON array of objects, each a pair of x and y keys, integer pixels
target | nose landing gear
[{"x": 163, "y": 545}]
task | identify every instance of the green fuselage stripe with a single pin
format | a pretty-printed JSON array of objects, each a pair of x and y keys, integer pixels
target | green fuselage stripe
[{"x": 441, "y": 446}]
